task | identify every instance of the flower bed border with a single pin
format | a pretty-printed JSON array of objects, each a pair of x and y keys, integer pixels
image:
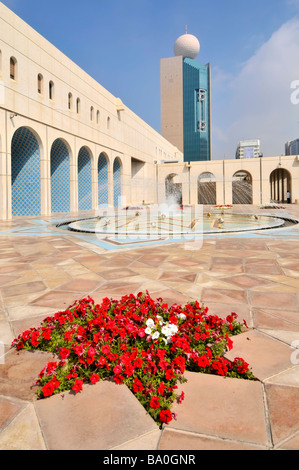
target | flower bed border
[{"x": 137, "y": 341}]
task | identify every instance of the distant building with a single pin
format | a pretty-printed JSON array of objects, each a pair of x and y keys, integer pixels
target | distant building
[
  {"x": 292, "y": 147},
  {"x": 248, "y": 149},
  {"x": 186, "y": 100}
]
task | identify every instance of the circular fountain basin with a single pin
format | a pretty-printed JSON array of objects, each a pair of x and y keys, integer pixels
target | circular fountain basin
[{"x": 181, "y": 222}]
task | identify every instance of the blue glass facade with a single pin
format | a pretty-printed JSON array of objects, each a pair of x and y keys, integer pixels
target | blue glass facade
[{"x": 196, "y": 111}]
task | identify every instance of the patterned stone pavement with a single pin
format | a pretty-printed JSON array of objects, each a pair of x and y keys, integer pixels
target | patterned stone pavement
[{"x": 255, "y": 275}]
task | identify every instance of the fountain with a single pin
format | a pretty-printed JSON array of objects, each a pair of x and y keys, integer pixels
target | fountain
[{"x": 170, "y": 220}]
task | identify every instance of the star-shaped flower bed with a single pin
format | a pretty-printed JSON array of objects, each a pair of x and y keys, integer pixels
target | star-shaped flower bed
[{"x": 138, "y": 341}]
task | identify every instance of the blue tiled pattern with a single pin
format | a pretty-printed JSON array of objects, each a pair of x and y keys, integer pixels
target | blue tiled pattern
[
  {"x": 25, "y": 174},
  {"x": 60, "y": 177},
  {"x": 116, "y": 181},
  {"x": 84, "y": 180},
  {"x": 102, "y": 180}
]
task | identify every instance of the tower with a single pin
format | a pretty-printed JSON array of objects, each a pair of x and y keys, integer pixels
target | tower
[{"x": 186, "y": 100}]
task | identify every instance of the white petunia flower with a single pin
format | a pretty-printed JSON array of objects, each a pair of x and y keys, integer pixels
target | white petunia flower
[
  {"x": 182, "y": 316},
  {"x": 150, "y": 323},
  {"x": 165, "y": 331},
  {"x": 156, "y": 335},
  {"x": 173, "y": 329}
]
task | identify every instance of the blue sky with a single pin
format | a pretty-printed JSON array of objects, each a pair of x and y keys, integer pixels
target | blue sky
[{"x": 253, "y": 48}]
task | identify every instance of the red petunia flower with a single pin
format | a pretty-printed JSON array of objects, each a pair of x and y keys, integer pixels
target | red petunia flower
[
  {"x": 68, "y": 336},
  {"x": 117, "y": 369},
  {"x": 137, "y": 386},
  {"x": 155, "y": 402},
  {"x": 165, "y": 416},
  {"x": 71, "y": 375},
  {"x": 138, "y": 362},
  {"x": 102, "y": 361},
  {"x": 49, "y": 388},
  {"x": 94, "y": 378},
  {"x": 181, "y": 398},
  {"x": 106, "y": 349},
  {"x": 64, "y": 353},
  {"x": 141, "y": 333},
  {"x": 229, "y": 342},
  {"x": 46, "y": 334},
  {"x": 78, "y": 386},
  {"x": 169, "y": 374},
  {"x": 91, "y": 352},
  {"x": 161, "y": 388}
]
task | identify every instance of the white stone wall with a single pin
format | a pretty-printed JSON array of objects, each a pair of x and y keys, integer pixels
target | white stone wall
[
  {"x": 126, "y": 137},
  {"x": 259, "y": 170}
]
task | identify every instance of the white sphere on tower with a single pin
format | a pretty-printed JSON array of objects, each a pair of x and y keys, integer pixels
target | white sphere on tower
[{"x": 187, "y": 46}]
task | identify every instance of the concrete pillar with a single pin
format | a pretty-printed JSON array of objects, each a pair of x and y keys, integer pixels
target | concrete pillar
[
  {"x": 255, "y": 191},
  {"x": 285, "y": 186},
  {"x": 73, "y": 184},
  {"x": 219, "y": 192},
  {"x": 45, "y": 183}
]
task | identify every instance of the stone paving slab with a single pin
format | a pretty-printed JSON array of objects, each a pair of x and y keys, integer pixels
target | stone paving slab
[
  {"x": 267, "y": 356},
  {"x": 102, "y": 417},
  {"x": 23, "y": 433},
  {"x": 224, "y": 408},
  {"x": 283, "y": 406},
  {"x": 174, "y": 440},
  {"x": 257, "y": 278},
  {"x": 8, "y": 410},
  {"x": 20, "y": 371}
]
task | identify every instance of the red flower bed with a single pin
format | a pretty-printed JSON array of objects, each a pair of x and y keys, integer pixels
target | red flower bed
[{"x": 136, "y": 341}]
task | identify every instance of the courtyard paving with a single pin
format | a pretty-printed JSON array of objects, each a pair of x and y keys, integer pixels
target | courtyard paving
[{"x": 256, "y": 275}]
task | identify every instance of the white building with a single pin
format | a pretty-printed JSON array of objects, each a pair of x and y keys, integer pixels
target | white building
[
  {"x": 292, "y": 147},
  {"x": 67, "y": 144},
  {"x": 248, "y": 149}
]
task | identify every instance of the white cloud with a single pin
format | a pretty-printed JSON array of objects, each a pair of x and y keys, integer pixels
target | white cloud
[{"x": 257, "y": 102}]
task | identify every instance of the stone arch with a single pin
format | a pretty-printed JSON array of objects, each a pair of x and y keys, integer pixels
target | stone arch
[
  {"x": 280, "y": 182},
  {"x": 60, "y": 176},
  {"x": 173, "y": 190},
  {"x": 117, "y": 181},
  {"x": 242, "y": 187},
  {"x": 206, "y": 188},
  {"x": 103, "y": 180},
  {"x": 84, "y": 179},
  {"x": 25, "y": 173}
]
